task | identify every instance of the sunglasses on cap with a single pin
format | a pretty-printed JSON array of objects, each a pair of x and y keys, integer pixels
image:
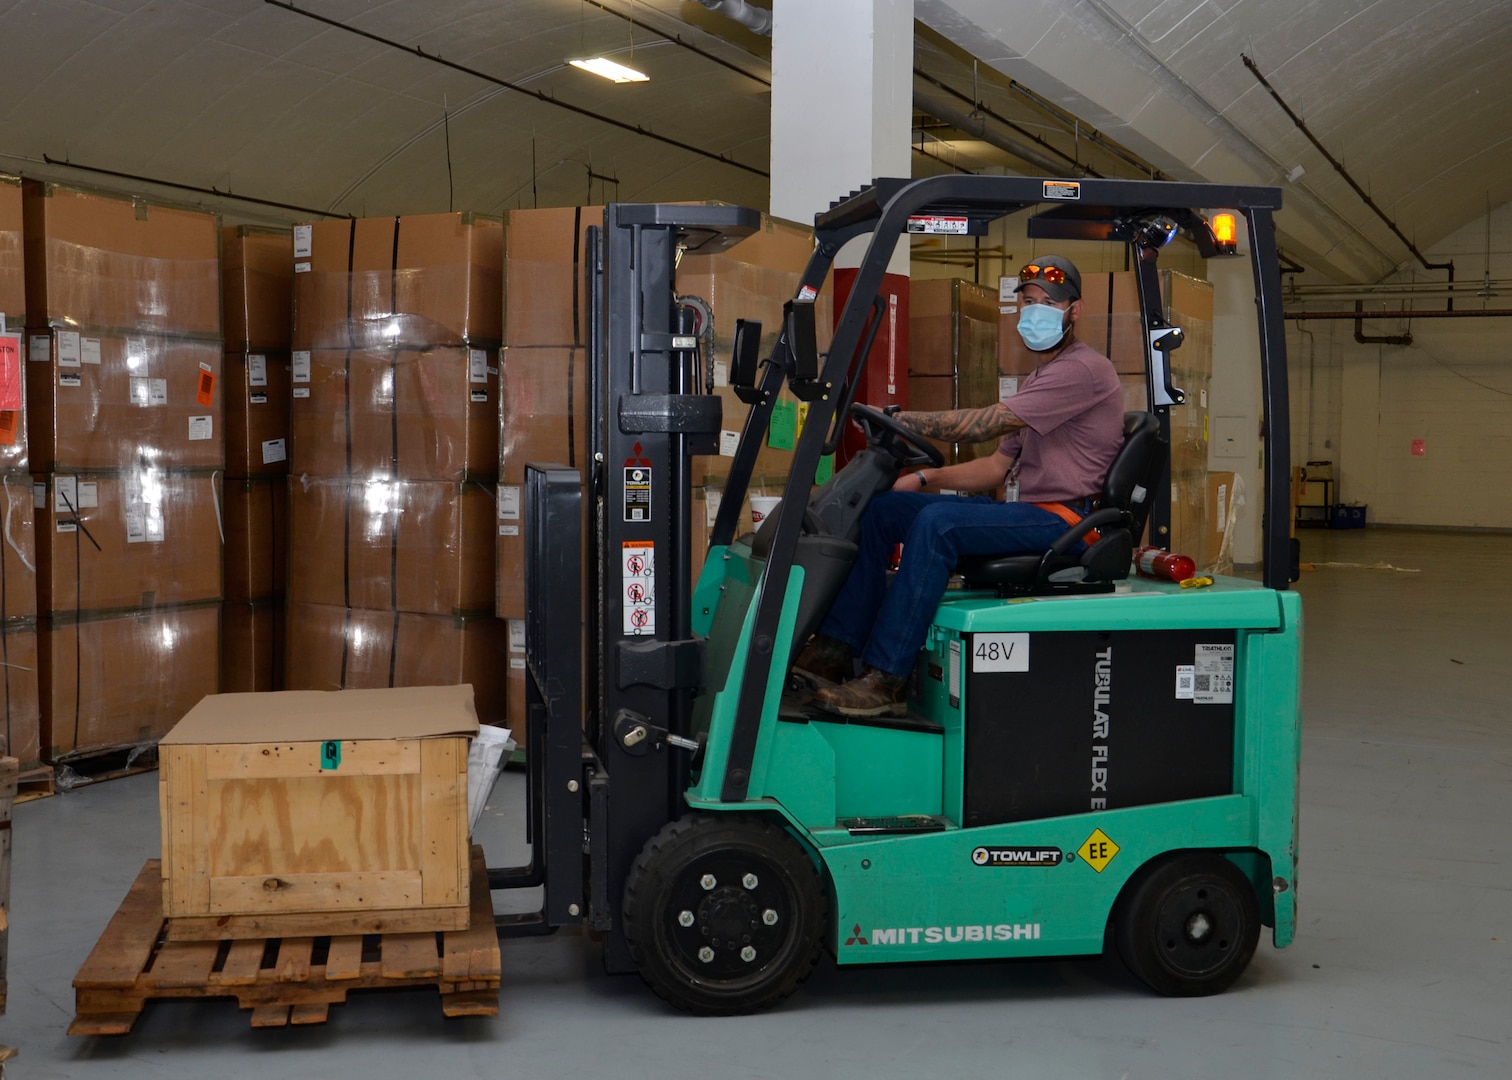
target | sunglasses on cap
[{"x": 1053, "y": 274}]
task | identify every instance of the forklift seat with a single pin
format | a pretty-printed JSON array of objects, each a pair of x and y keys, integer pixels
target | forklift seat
[{"x": 1120, "y": 522}]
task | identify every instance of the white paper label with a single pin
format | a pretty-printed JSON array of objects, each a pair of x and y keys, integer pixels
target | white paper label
[
  {"x": 301, "y": 365},
  {"x": 509, "y": 502},
  {"x": 89, "y": 494},
  {"x": 711, "y": 511},
  {"x": 144, "y": 511},
  {"x": 39, "y": 496},
  {"x": 1007, "y": 290},
  {"x": 509, "y": 530},
  {"x": 2, "y": 322},
  {"x": 157, "y": 391},
  {"x": 478, "y": 395},
  {"x": 1007, "y": 386},
  {"x": 257, "y": 369},
  {"x": 201, "y": 428},
  {"x": 1214, "y": 675},
  {"x": 1000, "y": 652},
  {"x": 301, "y": 268},
  {"x": 516, "y": 663},
  {"x": 89, "y": 350},
  {"x": 40, "y": 349},
  {"x": 1202, "y": 396},
  {"x": 136, "y": 354},
  {"x": 1185, "y": 682},
  {"x": 68, "y": 348},
  {"x": 274, "y": 450},
  {"x": 477, "y": 366},
  {"x": 301, "y": 391},
  {"x": 258, "y": 399},
  {"x": 721, "y": 373},
  {"x": 65, "y": 494},
  {"x": 1222, "y": 508},
  {"x": 516, "y": 635},
  {"x": 141, "y": 393},
  {"x": 304, "y": 238},
  {"x": 67, "y": 378},
  {"x": 729, "y": 441}
]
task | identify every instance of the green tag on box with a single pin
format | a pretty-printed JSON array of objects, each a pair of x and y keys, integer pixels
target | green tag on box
[
  {"x": 782, "y": 432},
  {"x": 826, "y": 469},
  {"x": 330, "y": 754}
]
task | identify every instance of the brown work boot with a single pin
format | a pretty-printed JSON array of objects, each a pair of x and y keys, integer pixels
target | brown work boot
[
  {"x": 875, "y": 693},
  {"x": 823, "y": 662}
]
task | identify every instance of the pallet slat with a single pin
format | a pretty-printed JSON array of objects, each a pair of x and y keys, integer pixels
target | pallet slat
[{"x": 134, "y": 962}]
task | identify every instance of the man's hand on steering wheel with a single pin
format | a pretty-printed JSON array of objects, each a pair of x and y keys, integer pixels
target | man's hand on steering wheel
[{"x": 906, "y": 446}]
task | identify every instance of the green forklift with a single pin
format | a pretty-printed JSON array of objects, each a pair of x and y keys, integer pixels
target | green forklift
[{"x": 1088, "y": 756}]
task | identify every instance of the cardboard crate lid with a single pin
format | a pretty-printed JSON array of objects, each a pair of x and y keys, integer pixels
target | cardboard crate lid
[{"x": 411, "y": 712}]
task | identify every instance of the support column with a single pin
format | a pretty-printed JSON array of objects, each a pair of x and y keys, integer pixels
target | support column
[{"x": 842, "y": 114}]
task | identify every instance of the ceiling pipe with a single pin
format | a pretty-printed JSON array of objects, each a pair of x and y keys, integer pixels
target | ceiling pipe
[
  {"x": 977, "y": 127},
  {"x": 756, "y": 20},
  {"x": 1350, "y": 180},
  {"x": 1457, "y": 313},
  {"x": 978, "y": 107}
]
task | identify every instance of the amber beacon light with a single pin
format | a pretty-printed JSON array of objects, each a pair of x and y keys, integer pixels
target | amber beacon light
[{"x": 1225, "y": 233}]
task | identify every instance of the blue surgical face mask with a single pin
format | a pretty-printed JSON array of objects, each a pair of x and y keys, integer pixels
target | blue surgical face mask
[{"x": 1041, "y": 326}]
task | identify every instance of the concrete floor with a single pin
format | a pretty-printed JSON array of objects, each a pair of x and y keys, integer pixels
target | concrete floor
[{"x": 1401, "y": 966}]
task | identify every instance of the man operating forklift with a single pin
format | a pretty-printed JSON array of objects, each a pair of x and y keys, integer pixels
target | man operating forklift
[{"x": 1059, "y": 434}]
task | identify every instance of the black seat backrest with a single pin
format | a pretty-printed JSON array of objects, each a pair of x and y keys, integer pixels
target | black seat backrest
[{"x": 1136, "y": 470}]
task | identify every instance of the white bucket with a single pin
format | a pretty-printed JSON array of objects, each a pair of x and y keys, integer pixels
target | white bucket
[
  {"x": 763, "y": 507},
  {"x": 485, "y": 761}
]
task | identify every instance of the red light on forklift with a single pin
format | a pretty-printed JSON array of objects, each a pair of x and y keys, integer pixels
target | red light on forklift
[{"x": 1225, "y": 232}]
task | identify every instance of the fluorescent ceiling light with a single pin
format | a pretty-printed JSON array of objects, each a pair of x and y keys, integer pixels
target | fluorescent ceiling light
[{"x": 608, "y": 69}]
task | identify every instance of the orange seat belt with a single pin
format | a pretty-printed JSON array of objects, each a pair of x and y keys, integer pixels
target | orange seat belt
[{"x": 1070, "y": 517}]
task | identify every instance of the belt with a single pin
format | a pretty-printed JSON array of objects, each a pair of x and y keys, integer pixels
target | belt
[{"x": 1073, "y": 514}]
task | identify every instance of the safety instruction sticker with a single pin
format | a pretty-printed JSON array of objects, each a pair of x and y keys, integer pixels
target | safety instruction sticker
[
  {"x": 638, "y": 568},
  {"x": 937, "y": 223},
  {"x": 1062, "y": 189},
  {"x": 1213, "y": 675}
]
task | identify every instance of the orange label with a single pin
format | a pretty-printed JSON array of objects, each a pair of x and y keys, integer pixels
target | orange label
[
  {"x": 8, "y": 427},
  {"x": 206, "y": 395},
  {"x": 10, "y": 373}
]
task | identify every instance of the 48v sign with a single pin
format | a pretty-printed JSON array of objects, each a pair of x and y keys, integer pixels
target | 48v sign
[{"x": 1000, "y": 652}]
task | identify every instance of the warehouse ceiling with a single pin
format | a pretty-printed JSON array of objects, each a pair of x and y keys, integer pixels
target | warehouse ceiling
[{"x": 381, "y": 106}]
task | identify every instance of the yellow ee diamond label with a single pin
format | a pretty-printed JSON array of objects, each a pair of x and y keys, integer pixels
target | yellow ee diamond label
[{"x": 1098, "y": 850}]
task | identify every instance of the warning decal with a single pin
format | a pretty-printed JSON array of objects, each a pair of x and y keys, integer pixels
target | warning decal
[
  {"x": 1098, "y": 850},
  {"x": 638, "y": 571},
  {"x": 637, "y": 487},
  {"x": 1213, "y": 675}
]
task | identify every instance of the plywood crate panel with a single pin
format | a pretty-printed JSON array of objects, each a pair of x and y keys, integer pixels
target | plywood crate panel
[{"x": 300, "y": 813}]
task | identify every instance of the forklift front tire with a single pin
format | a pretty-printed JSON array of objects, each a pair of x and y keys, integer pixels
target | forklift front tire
[
  {"x": 723, "y": 914},
  {"x": 1187, "y": 924}
]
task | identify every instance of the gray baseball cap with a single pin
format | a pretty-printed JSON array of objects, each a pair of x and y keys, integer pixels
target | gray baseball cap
[{"x": 1035, "y": 273}]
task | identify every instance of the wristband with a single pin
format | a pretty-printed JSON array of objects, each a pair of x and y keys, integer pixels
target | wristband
[{"x": 923, "y": 483}]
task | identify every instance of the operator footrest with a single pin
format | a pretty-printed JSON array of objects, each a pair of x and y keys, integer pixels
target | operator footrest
[{"x": 888, "y": 826}]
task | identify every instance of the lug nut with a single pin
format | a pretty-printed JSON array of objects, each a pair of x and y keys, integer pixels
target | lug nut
[
  {"x": 769, "y": 917},
  {"x": 706, "y": 954},
  {"x": 748, "y": 954},
  {"x": 749, "y": 881},
  {"x": 708, "y": 881},
  {"x": 685, "y": 918}
]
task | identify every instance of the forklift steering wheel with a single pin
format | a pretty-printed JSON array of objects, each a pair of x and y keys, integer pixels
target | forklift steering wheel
[{"x": 906, "y": 446}]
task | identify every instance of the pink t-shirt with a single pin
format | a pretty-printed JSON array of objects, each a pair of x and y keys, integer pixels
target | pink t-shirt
[{"x": 1073, "y": 406}]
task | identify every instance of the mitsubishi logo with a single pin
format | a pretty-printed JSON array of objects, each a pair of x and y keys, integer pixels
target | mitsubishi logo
[{"x": 856, "y": 938}]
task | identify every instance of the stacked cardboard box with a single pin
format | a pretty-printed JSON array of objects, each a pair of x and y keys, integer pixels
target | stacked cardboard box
[
  {"x": 544, "y": 415},
  {"x": 1111, "y": 322},
  {"x": 952, "y": 353},
  {"x": 257, "y": 280},
  {"x": 20, "y": 736},
  {"x": 394, "y": 455},
  {"x": 125, "y": 382}
]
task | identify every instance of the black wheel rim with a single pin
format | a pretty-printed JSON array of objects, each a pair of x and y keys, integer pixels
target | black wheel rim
[
  {"x": 729, "y": 918},
  {"x": 1198, "y": 928}
]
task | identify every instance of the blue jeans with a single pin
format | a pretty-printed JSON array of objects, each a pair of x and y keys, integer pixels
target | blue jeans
[{"x": 888, "y": 625}]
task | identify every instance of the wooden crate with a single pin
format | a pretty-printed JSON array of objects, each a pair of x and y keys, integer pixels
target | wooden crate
[
  {"x": 305, "y": 813},
  {"x": 282, "y": 981}
]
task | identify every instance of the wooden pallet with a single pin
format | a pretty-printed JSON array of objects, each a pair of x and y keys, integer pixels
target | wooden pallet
[
  {"x": 35, "y": 784},
  {"x": 282, "y": 980}
]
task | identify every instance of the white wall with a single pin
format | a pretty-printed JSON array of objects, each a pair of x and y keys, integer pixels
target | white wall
[{"x": 1361, "y": 406}]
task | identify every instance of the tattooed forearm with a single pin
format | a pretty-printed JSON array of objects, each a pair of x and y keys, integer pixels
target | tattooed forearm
[{"x": 963, "y": 425}]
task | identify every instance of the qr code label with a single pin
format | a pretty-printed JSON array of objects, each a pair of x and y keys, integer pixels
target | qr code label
[{"x": 1213, "y": 675}]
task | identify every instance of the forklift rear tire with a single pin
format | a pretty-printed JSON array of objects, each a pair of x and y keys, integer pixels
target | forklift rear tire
[
  {"x": 723, "y": 914},
  {"x": 1187, "y": 924}
]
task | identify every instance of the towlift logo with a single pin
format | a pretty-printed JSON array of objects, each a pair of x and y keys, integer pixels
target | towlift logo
[{"x": 1016, "y": 856}]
